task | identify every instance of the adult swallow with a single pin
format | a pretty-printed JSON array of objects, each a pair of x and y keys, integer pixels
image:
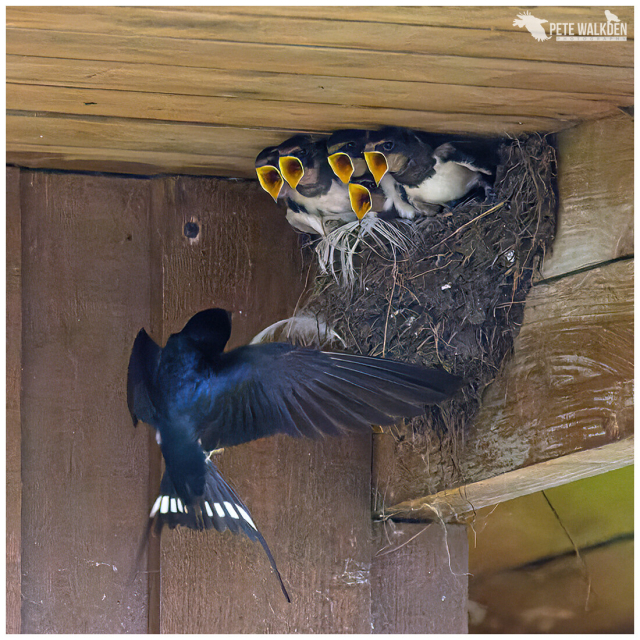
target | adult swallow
[
  {"x": 429, "y": 174},
  {"x": 199, "y": 398}
]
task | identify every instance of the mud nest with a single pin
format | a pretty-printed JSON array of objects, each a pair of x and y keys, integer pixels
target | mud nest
[{"x": 456, "y": 300}]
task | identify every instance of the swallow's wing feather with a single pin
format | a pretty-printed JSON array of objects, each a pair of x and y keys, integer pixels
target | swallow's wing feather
[
  {"x": 261, "y": 390},
  {"x": 145, "y": 355}
]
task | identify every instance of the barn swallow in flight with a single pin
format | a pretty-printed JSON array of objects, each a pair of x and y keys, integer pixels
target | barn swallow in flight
[
  {"x": 199, "y": 398},
  {"x": 429, "y": 174}
]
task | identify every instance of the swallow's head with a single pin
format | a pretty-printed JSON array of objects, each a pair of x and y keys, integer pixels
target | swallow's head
[
  {"x": 300, "y": 159},
  {"x": 345, "y": 148}
]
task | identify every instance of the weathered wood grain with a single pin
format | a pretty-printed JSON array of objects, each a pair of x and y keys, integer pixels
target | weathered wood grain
[
  {"x": 131, "y": 162},
  {"x": 85, "y": 287},
  {"x": 478, "y": 17},
  {"x": 452, "y": 504},
  {"x": 419, "y": 578},
  {"x": 39, "y": 140},
  {"x": 319, "y": 61},
  {"x": 503, "y": 40},
  {"x": 552, "y": 83},
  {"x": 13, "y": 391},
  {"x": 370, "y": 106},
  {"x": 595, "y": 184}
]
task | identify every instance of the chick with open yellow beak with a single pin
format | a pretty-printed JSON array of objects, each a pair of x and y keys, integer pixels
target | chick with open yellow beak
[
  {"x": 292, "y": 170},
  {"x": 377, "y": 163},
  {"x": 268, "y": 174},
  {"x": 342, "y": 166},
  {"x": 361, "y": 200}
]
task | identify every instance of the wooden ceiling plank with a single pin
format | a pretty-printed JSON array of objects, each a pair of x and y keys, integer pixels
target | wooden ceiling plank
[
  {"x": 477, "y": 17},
  {"x": 219, "y": 26},
  {"x": 187, "y": 94},
  {"x": 231, "y": 64},
  {"x": 606, "y": 84},
  {"x": 248, "y": 112},
  {"x": 127, "y": 161},
  {"x": 452, "y": 504}
]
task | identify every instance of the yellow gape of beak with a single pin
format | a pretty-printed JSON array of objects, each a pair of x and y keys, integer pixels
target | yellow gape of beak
[
  {"x": 377, "y": 164},
  {"x": 341, "y": 165},
  {"x": 360, "y": 198},
  {"x": 292, "y": 170},
  {"x": 270, "y": 180}
]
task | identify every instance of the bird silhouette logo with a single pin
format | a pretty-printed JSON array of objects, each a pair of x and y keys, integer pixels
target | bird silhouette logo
[
  {"x": 611, "y": 17},
  {"x": 533, "y": 25}
]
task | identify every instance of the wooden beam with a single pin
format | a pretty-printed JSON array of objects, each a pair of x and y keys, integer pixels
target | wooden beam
[
  {"x": 301, "y": 116},
  {"x": 452, "y": 504},
  {"x": 595, "y": 185},
  {"x": 567, "y": 387}
]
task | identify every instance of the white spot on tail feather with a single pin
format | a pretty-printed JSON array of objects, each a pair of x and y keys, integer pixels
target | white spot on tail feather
[
  {"x": 231, "y": 510},
  {"x": 164, "y": 505},
  {"x": 156, "y": 506},
  {"x": 246, "y": 516},
  {"x": 208, "y": 508},
  {"x": 174, "y": 506},
  {"x": 219, "y": 509}
]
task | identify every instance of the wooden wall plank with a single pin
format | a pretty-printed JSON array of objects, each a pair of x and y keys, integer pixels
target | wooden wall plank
[
  {"x": 446, "y": 73},
  {"x": 314, "y": 60},
  {"x": 595, "y": 184},
  {"x": 419, "y": 578},
  {"x": 217, "y": 25},
  {"x": 310, "y": 499},
  {"x": 13, "y": 391},
  {"x": 374, "y": 105},
  {"x": 85, "y": 278}
]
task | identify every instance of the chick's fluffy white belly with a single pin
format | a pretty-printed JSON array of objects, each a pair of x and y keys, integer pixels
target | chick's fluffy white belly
[{"x": 450, "y": 182}]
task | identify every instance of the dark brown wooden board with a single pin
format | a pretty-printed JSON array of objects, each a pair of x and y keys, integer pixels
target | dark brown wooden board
[
  {"x": 85, "y": 283},
  {"x": 310, "y": 499},
  {"x": 419, "y": 578},
  {"x": 14, "y": 379}
]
